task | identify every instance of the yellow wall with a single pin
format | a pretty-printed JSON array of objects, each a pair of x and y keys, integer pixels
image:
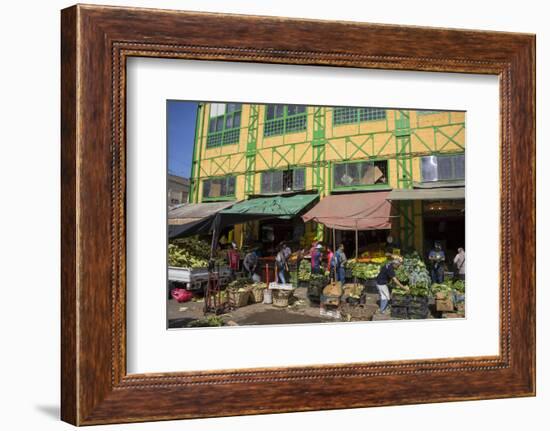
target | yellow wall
[{"x": 440, "y": 132}]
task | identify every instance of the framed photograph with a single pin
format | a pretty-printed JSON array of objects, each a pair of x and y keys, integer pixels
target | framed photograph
[{"x": 285, "y": 208}]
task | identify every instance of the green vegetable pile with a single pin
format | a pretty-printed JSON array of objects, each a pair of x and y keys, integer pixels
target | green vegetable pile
[
  {"x": 304, "y": 271},
  {"x": 363, "y": 270},
  {"x": 459, "y": 286},
  {"x": 189, "y": 253},
  {"x": 442, "y": 288},
  {"x": 413, "y": 273},
  {"x": 181, "y": 257},
  {"x": 206, "y": 322},
  {"x": 239, "y": 285}
]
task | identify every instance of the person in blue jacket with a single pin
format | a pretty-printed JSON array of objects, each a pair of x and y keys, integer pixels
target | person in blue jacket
[{"x": 437, "y": 260}]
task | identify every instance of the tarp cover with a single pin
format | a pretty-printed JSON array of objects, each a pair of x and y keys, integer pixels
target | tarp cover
[
  {"x": 435, "y": 194},
  {"x": 361, "y": 211},
  {"x": 187, "y": 213},
  {"x": 193, "y": 219}
]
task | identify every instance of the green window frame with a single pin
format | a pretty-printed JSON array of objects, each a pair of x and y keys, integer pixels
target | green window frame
[
  {"x": 442, "y": 168},
  {"x": 348, "y": 115},
  {"x": 360, "y": 174},
  {"x": 219, "y": 188},
  {"x": 224, "y": 125},
  {"x": 283, "y": 119},
  {"x": 281, "y": 181}
]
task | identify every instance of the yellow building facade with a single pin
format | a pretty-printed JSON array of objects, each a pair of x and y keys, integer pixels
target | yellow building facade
[{"x": 247, "y": 150}]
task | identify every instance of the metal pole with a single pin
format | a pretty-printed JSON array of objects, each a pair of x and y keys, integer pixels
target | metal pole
[{"x": 356, "y": 241}]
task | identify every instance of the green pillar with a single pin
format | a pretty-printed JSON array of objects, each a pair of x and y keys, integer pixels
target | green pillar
[
  {"x": 194, "y": 182},
  {"x": 404, "y": 176},
  {"x": 252, "y": 139},
  {"x": 318, "y": 165}
]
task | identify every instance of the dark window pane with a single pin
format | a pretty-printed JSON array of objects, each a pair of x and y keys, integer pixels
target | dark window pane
[
  {"x": 205, "y": 189},
  {"x": 459, "y": 167},
  {"x": 339, "y": 174},
  {"x": 266, "y": 182},
  {"x": 360, "y": 173},
  {"x": 212, "y": 126},
  {"x": 344, "y": 115},
  {"x": 354, "y": 171},
  {"x": 237, "y": 119},
  {"x": 270, "y": 112},
  {"x": 367, "y": 173},
  {"x": 277, "y": 182},
  {"x": 231, "y": 186},
  {"x": 219, "y": 124},
  {"x": 223, "y": 186},
  {"x": 380, "y": 172},
  {"x": 279, "y": 111},
  {"x": 429, "y": 168},
  {"x": 296, "y": 109},
  {"x": 445, "y": 168},
  {"x": 229, "y": 122},
  {"x": 299, "y": 180}
]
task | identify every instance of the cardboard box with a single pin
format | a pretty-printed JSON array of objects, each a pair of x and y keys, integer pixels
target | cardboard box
[{"x": 444, "y": 305}]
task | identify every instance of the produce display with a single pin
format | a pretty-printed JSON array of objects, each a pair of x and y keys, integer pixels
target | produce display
[
  {"x": 413, "y": 273},
  {"x": 443, "y": 288},
  {"x": 182, "y": 257},
  {"x": 304, "y": 271},
  {"x": 363, "y": 270},
  {"x": 190, "y": 253},
  {"x": 316, "y": 285},
  {"x": 459, "y": 286},
  {"x": 239, "y": 285}
]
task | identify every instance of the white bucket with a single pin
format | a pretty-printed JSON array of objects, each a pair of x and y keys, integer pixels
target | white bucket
[{"x": 268, "y": 296}]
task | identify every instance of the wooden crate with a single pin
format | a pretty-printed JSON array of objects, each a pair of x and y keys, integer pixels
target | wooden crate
[{"x": 444, "y": 305}]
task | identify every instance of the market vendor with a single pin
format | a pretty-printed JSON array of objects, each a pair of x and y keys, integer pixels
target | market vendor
[
  {"x": 233, "y": 258},
  {"x": 286, "y": 250},
  {"x": 387, "y": 274},
  {"x": 316, "y": 257},
  {"x": 340, "y": 264},
  {"x": 437, "y": 259},
  {"x": 250, "y": 263},
  {"x": 282, "y": 265},
  {"x": 460, "y": 264},
  {"x": 331, "y": 263}
]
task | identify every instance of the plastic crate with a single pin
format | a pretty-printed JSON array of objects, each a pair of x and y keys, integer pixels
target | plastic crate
[
  {"x": 399, "y": 312},
  {"x": 417, "y": 315},
  {"x": 401, "y": 300}
]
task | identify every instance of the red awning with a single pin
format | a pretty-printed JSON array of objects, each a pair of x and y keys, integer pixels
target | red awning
[{"x": 361, "y": 211}]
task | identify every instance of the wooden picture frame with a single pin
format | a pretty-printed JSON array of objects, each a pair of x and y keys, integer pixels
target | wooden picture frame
[{"x": 95, "y": 42}]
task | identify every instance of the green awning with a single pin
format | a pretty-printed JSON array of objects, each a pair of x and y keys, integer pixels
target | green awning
[{"x": 272, "y": 206}]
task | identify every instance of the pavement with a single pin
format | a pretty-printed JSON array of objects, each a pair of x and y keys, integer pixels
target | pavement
[{"x": 300, "y": 310}]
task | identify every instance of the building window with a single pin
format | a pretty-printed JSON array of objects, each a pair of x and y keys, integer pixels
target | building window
[
  {"x": 360, "y": 174},
  {"x": 443, "y": 168},
  {"x": 214, "y": 188},
  {"x": 355, "y": 115},
  {"x": 225, "y": 124},
  {"x": 283, "y": 181},
  {"x": 281, "y": 119}
]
